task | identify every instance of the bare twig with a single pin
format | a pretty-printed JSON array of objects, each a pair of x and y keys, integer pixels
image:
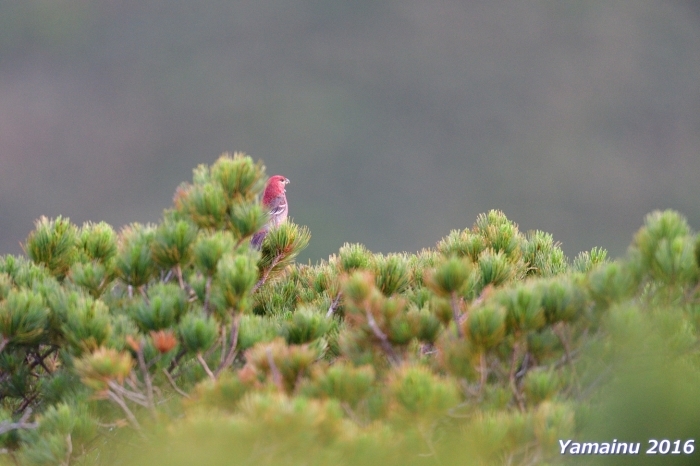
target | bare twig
[
  {"x": 172, "y": 384},
  {"x": 274, "y": 370},
  {"x": 133, "y": 382},
  {"x": 147, "y": 381},
  {"x": 566, "y": 359},
  {"x": 136, "y": 397},
  {"x": 526, "y": 365},
  {"x": 40, "y": 362},
  {"x": 159, "y": 393},
  {"x": 39, "y": 359},
  {"x": 600, "y": 379},
  {"x": 129, "y": 415},
  {"x": 484, "y": 371},
  {"x": 428, "y": 439},
  {"x": 466, "y": 405},
  {"x": 207, "y": 294},
  {"x": 144, "y": 294},
  {"x": 107, "y": 425},
  {"x": 334, "y": 304},
  {"x": 154, "y": 361},
  {"x": 383, "y": 340},
  {"x": 69, "y": 450},
  {"x": 693, "y": 291},
  {"x": 267, "y": 271},
  {"x": 241, "y": 241},
  {"x": 560, "y": 332},
  {"x": 21, "y": 424},
  {"x": 456, "y": 314},
  {"x": 234, "y": 343},
  {"x": 351, "y": 414},
  {"x": 176, "y": 360},
  {"x": 205, "y": 366},
  {"x": 512, "y": 375},
  {"x": 222, "y": 337},
  {"x": 485, "y": 293},
  {"x": 218, "y": 343},
  {"x": 25, "y": 404},
  {"x": 178, "y": 272},
  {"x": 3, "y": 343}
]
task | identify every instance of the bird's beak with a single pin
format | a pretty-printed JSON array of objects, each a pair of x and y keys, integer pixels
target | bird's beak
[{"x": 286, "y": 181}]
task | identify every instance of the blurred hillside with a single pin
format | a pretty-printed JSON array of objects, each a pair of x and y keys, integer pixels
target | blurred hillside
[{"x": 396, "y": 121}]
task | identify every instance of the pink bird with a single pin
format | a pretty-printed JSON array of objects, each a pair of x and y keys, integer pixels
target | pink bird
[{"x": 275, "y": 202}]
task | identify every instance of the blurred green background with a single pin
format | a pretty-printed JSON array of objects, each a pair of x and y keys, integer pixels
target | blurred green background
[{"x": 396, "y": 120}]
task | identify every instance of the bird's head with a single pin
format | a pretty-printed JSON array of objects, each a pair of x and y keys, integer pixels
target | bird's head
[{"x": 275, "y": 186}]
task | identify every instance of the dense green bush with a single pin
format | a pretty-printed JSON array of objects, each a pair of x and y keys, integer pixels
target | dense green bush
[{"x": 188, "y": 346}]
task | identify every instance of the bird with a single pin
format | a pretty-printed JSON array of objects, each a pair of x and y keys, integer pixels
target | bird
[{"x": 275, "y": 202}]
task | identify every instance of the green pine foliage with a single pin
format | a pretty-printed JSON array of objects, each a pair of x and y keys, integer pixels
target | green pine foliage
[{"x": 184, "y": 343}]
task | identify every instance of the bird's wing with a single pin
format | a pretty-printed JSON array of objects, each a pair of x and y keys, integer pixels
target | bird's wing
[{"x": 277, "y": 206}]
